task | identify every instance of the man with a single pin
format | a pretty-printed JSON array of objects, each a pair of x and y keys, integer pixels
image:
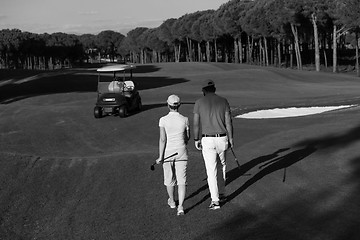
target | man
[
  {"x": 174, "y": 136},
  {"x": 212, "y": 115}
]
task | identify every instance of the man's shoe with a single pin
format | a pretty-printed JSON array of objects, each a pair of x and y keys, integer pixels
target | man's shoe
[
  {"x": 180, "y": 211},
  {"x": 171, "y": 203},
  {"x": 214, "y": 205}
]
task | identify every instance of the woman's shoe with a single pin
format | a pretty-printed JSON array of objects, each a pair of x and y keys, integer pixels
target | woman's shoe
[{"x": 171, "y": 203}]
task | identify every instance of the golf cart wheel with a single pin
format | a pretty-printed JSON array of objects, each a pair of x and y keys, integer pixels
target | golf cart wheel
[
  {"x": 123, "y": 111},
  {"x": 97, "y": 112}
]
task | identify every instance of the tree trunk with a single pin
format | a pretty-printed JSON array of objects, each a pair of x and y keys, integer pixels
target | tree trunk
[
  {"x": 279, "y": 52},
  {"x": 241, "y": 53},
  {"x": 177, "y": 52},
  {"x": 199, "y": 52},
  {"x": 297, "y": 47},
  {"x": 357, "y": 54},
  {"x": 236, "y": 52},
  {"x": 266, "y": 55},
  {"x": 250, "y": 49},
  {"x": 154, "y": 56},
  {"x": 291, "y": 50},
  {"x": 188, "y": 41},
  {"x": 272, "y": 52},
  {"x": 316, "y": 40},
  {"x": 208, "y": 51},
  {"x": 261, "y": 53},
  {"x": 216, "y": 52},
  {"x": 334, "y": 49}
]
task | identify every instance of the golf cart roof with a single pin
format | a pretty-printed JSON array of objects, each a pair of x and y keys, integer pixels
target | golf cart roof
[{"x": 116, "y": 68}]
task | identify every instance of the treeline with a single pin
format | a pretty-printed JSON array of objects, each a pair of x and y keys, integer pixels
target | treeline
[
  {"x": 52, "y": 51},
  {"x": 288, "y": 33}
]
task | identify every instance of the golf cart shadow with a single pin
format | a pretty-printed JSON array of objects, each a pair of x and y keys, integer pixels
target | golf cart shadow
[{"x": 65, "y": 81}]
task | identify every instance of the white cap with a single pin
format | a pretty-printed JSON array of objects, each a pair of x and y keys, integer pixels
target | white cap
[{"x": 173, "y": 100}]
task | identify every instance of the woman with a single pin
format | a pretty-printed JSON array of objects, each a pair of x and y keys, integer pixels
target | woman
[{"x": 174, "y": 136}]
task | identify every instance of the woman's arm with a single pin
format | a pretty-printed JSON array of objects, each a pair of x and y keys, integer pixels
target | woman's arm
[{"x": 162, "y": 145}]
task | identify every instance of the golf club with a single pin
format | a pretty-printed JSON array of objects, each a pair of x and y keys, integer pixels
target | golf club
[
  {"x": 152, "y": 167},
  {"x": 237, "y": 162}
]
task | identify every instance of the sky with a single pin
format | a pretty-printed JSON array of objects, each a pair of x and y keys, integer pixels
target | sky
[{"x": 94, "y": 16}]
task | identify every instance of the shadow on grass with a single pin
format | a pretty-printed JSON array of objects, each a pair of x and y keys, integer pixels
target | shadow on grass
[
  {"x": 274, "y": 165},
  {"x": 307, "y": 147},
  {"x": 333, "y": 141},
  {"x": 233, "y": 174},
  {"x": 68, "y": 82},
  {"x": 315, "y": 216},
  {"x": 297, "y": 217}
]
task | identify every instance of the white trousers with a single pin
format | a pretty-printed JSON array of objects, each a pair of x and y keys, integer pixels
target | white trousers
[{"x": 214, "y": 153}]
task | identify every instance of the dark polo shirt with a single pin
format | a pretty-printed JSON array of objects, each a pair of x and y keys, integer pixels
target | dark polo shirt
[{"x": 211, "y": 109}]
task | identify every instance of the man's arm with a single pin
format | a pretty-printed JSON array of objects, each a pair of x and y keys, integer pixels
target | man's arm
[
  {"x": 196, "y": 126},
  {"x": 197, "y": 131},
  {"x": 229, "y": 128}
]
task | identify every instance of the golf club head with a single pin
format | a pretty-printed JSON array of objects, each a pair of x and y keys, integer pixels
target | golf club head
[{"x": 152, "y": 167}]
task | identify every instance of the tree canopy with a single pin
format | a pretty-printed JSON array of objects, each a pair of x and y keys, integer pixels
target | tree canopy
[{"x": 267, "y": 32}]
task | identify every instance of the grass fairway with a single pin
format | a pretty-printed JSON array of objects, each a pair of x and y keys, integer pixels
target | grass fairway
[{"x": 66, "y": 175}]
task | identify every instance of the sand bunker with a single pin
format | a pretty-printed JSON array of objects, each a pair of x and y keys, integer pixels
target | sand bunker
[{"x": 290, "y": 112}]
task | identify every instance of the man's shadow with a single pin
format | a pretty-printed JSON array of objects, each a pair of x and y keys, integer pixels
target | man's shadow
[
  {"x": 274, "y": 165},
  {"x": 233, "y": 175},
  {"x": 236, "y": 172},
  {"x": 273, "y": 162}
]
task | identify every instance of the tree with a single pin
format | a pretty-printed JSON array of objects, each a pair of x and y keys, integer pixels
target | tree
[
  {"x": 280, "y": 28},
  {"x": 350, "y": 13},
  {"x": 88, "y": 42},
  {"x": 227, "y": 21},
  {"x": 149, "y": 41},
  {"x": 136, "y": 47},
  {"x": 165, "y": 34},
  {"x": 316, "y": 11},
  {"x": 293, "y": 11},
  {"x": 208, "y": 32},
  {"x": 107, "y": 41},
  {"x": 9, "y": 46},
  {"x": 183, "y": 31},
  {"x": 155, "y": 44}
]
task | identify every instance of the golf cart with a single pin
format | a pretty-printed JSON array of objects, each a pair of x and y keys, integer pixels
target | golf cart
[{"x": 116, "y": 94}]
